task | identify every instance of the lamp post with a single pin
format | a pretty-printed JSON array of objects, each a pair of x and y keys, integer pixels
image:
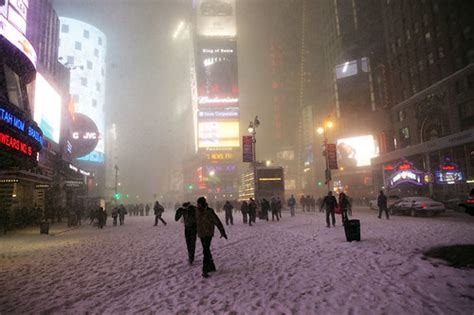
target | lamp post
[
  {"x": 116, "y": 183},
  {"x": 323, "y": 131},
  {"x": 252, "y": 129}
]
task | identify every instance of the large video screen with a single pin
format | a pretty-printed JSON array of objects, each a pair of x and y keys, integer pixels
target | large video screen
[
  {"x": 216, "y": 18},
  {"x": 47, "y": 109},
  {"x": 356, "y": 151},
  {"x": 216, "y": 72},
  {"x": 218, "y": 134}
]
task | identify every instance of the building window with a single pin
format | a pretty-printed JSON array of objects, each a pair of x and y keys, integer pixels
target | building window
[
  {"x": 470, "y": 80},
  {"x": 428, "y": 36},
  {"x": 86, "y": 34},
  {"x": 440, "y": 52},
  {"x": 430, "y": 58},
  {"x": 435, "y": 7},
  {"x": 84, "y": 81},
  {"x": 96, "y": 52},
  {"x": 65, "y": 28},
  {"x": 421, "y": 65},
  {"x": 12, "y": 81},
  {"x": 401, "y": 115},
  {"x": 99, "y": 40},
  {"x": 70, "y": 60},
  {"x": 408, "y": 34},
  {"x": 459, "y": 86},
  {"x": 89, "y": 64},
  {"x": 102, "y": 71},
  {"x": 413, "y": 88},
  {"x": 405, "y": 133},
  {"x": 94, "y": 103},
  {"x": 425, "y": 19},
  {"x": 78, "y": 45},
  {"x": 75, "y": 97},
  {"x": 399, "y": 42},
  {"x": 416, "y": 27},
  {"x": 97, "y": 86}
]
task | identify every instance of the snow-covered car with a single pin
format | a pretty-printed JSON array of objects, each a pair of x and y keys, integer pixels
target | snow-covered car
[
  {"x": 468, "y": 204},
  {"x": 417, "y": 206},
  {"x": 391, "y": 200}
]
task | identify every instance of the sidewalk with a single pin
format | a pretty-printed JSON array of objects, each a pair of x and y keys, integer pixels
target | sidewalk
[{"x": 54, "y": 229}]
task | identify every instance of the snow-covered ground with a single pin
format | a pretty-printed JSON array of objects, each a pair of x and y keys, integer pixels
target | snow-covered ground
[{"x": 296, "y": 266}]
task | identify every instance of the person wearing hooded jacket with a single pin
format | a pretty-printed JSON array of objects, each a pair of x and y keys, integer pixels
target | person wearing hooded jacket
[
  {"x": 188, "y": 213},
  {"x": 206, "y": 220}
]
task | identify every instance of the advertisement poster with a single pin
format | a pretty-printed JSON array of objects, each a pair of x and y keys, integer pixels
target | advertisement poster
[
  {"x": 216, "y": 73},
  {"x": 331, "y": 152},
  {"x": 47, "y": 108},
  {"x": 216, "y": 18}
]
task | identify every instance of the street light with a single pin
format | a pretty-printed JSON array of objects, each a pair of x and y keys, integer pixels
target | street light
[
  {"x": 116, "y": 183},
  {"x": 253, "y": 125},
  {"x": 323, "y": 131}
]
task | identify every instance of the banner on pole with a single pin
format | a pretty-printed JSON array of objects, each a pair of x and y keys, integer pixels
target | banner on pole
[
  {"x": 247, "y": 148},
  {"x": 331, "y": 152}
]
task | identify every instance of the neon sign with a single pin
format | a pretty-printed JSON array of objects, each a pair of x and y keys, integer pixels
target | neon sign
[
  {"x": 408, "y": 176},
  {"x": 21, "y": 125},
  {"x": 449, "y": 173},
  {"x": 15, "y": 144}
]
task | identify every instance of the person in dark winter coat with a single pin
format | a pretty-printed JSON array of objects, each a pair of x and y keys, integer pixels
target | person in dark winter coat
[
  {"x": 291, "y": 205},
  {"x": 252, "y": 211},
  {"x": 274, "y": 207},
  {"x": 100, "y": 215},
  {"x": 115, "y": 213},
  {"x": 206, "y": 220},
  {"x": 228, "y": 213},
  {"x": 122, "y": 213},
  {"x": 265, "y": 208},
  {"x": 158, "y": 213},
  {"x": 345, "y": 205},
  {"x": 188, "y": 213},
  {"x": 330, "y": 203},
  {"x": 382, "y": 204},
  {"x": 244, "y": 208}
]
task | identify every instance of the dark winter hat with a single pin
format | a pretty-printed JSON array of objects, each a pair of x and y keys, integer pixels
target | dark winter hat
[
  {"x": 186, "y": 204},
  {"x": 202, "y": 202}
]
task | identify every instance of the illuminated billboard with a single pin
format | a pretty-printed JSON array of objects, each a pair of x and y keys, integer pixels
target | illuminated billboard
[
  {"x": 47, "y": 108},
  {"x": 17, "y": 38},
  {"x": 216, "y": 73},
  {"x": 218, "y": 134},
  {"x": 356, "y": 151},
  {"x": 216, "y": 18}
]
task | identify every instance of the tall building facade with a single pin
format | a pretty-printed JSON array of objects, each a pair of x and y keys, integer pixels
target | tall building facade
[
  {"x": 83, "y": 49},
  {"x": 430, "y": 53}
]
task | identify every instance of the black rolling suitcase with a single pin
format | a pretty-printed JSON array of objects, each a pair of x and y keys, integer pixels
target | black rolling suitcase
[{"x": 352, "y": 230}]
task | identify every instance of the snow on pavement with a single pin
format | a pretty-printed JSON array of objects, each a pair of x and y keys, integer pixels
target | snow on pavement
[{"x": 295, "y": 266}]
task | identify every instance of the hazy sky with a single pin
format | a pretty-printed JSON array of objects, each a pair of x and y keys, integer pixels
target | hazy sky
[{"x": 142, "y": 78}]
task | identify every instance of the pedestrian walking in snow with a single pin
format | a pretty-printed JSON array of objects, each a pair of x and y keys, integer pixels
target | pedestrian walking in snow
[
  {"x": 188, "y": 213},
  {"x": 382, "y": 204},
  {"x": 158, "y": 213},
  {"x": 279, "y": 206},
  {"x": 228, "y": 213},
  {"x": 100, "y": 215},
  {"x": 330, "y": 203},
  {"x": 147, "y": 209},
  {"x": 265, "y": 205},
  {"x": 252, "y": 211},
  {"x": 303, "y": 202},
  {"x": 115, "y": 215},
  {"x": 122, "y": 212},
  {"x": 274, "y": 207},
  {"x": 244, "y": 208},
  {"x": 344, "y": 205},
  {"x": 291, "y": 205},
  {"x": 206, "y": 220}
]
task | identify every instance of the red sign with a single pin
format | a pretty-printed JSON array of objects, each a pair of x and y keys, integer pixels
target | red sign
[
  {"x": 404, "y": 167},
  {"x": 331, "y": 151},
  {"x": 15, "y": 144},
  {"x": 247, "y": 148},
  {"x": 448, "y": 167},
  {"x": 388, "y": 167}
]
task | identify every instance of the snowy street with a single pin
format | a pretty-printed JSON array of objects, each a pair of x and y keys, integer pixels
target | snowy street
[{"x": 295, "y": 266}]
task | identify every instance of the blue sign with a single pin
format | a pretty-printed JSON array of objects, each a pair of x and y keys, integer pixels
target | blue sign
[
  {"x": 20, "y": 125},
  {"x": 449, "y": 177}
]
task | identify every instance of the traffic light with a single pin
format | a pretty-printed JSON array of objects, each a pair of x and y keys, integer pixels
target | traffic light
[
  {"x": 126, "y": 196},
  {"x": 190, "y": 186},
  {"x": 118, "y": 196},
  {"x": 320, "y": 183}
]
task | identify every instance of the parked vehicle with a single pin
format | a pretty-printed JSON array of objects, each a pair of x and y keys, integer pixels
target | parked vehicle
[
  {"x": 455, "y": 202},
  {"x": 417, "y": 206},
  {"x": 468, "y": 204},
  {"x": 391, "y": 200}
]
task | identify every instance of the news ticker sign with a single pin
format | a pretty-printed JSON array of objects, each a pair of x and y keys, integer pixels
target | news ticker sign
[
  {"x": 247, "y": 148},
  {"x": 331, "y": 156},
  {"x": 213, "y": 114}
]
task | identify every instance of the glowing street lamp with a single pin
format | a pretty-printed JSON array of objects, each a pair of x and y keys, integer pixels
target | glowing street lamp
[
  {"x": 253, "y": 125},
  {"x": 212, "y": 173},
  {"x": 322, "y": 131}
]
